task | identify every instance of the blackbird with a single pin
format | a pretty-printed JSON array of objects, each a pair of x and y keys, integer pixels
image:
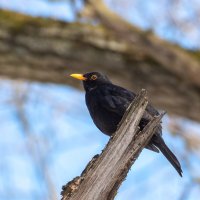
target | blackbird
[{"x": 107, "y": 104}]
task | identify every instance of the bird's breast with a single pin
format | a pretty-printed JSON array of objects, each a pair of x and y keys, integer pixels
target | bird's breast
[{"x": 105, "y": 120}]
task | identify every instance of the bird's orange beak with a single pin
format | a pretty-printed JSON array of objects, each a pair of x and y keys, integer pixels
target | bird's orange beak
[{"x": 78, "y": 76}]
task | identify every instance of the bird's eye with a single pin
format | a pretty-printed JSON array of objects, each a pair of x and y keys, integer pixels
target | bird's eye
[{"x": 93, "y": 77}]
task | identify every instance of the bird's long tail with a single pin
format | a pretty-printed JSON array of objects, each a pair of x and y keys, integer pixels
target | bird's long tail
[{"x": 160, "y": 144}]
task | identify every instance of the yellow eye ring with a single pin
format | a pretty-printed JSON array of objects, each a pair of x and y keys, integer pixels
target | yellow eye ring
[{"x": 93, "y": 77}]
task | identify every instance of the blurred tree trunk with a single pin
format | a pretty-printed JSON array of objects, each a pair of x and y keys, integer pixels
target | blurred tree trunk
[{"x": 46, "y": 50}]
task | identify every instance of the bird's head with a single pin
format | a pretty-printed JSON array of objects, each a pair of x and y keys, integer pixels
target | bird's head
[{"x": 91, "y": 79}]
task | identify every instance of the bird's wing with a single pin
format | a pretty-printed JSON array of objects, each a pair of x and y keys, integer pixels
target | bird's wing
[
  {"x": 116, "y": 99},
  {"x": 150, "y": 109}
]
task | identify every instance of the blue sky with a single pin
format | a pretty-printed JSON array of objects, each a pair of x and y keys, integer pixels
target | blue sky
[
  {"x": 62, "y": 136},
  {"x": 58, "y": 10}
]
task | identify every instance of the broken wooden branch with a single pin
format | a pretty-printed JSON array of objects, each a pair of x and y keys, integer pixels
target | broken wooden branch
[{"x": 105, "y": 172}]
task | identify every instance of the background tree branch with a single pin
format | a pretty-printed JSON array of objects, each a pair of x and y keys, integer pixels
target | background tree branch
[
  {"x": 105, "y": 173},
  {"x": 46, "y": 50}
]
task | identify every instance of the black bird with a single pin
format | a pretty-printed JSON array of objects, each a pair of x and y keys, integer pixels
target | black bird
[{"x": 107, "y": 104}]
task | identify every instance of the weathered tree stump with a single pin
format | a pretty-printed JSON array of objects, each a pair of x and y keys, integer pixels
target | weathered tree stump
[{"x": 105, "y": 172}]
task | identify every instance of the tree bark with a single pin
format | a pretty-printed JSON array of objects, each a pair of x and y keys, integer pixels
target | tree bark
[
  {"x": 46, "y": 50},
  {"x": 105, "y": 173}
]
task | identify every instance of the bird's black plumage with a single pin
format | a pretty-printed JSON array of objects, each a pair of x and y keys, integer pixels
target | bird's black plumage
[{"x": 107, "y": 104}]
